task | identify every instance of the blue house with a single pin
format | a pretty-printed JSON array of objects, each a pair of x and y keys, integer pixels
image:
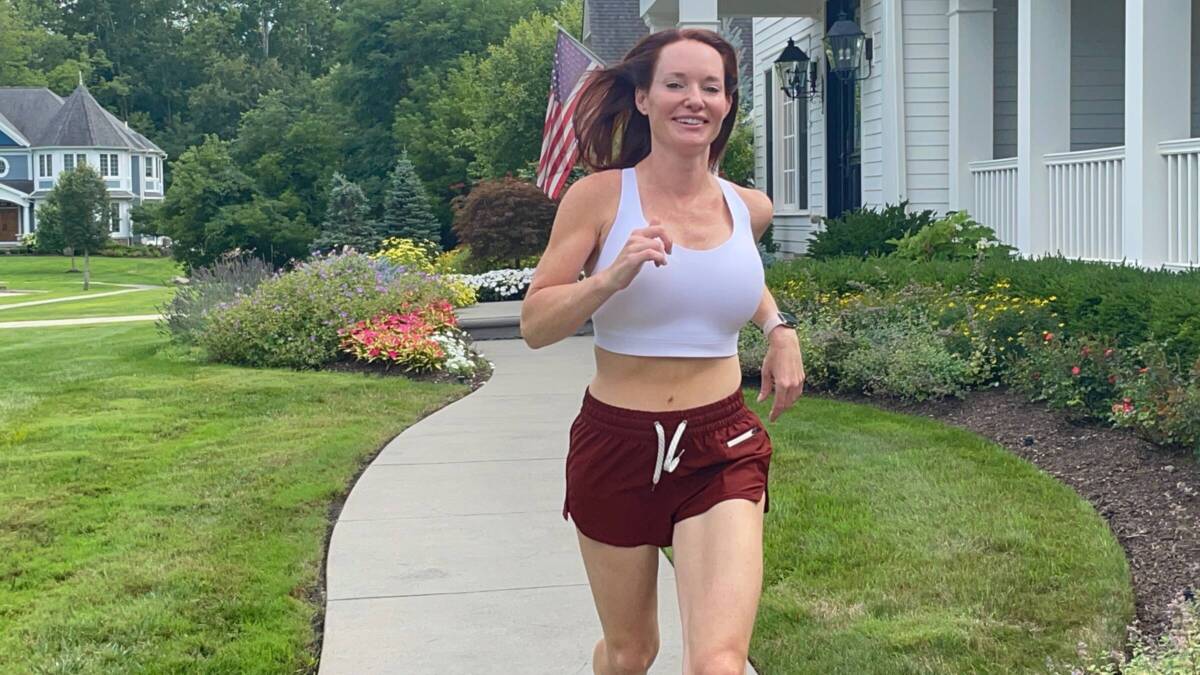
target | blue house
[{"x": 43, "y": 135}]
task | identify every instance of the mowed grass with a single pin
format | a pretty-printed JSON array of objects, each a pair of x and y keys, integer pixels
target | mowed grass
[
  {"x": 48, "y": 277},
  {"x": 148, "y": 301},
  {"x": 162, "y": 515},
  {"x": 899, "y": 545}
]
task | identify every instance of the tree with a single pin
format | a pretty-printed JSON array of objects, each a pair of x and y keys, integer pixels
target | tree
[
  {"x": 451, "y": 124},
  {"x": 205, "y": 181},
  {"x": 346, "y": 221},
  {"x": 406, "y": 210},
  {"x": 76, "y": 215},
  {"x": 504, "y": 220}
]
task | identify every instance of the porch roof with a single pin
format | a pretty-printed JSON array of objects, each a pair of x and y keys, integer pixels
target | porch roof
[{"x": 9, "y": 194}]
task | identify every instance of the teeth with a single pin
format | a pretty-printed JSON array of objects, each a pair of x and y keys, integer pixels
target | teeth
[{"x": 689, "y": 121}]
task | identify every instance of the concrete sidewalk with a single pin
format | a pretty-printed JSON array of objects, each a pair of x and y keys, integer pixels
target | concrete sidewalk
[
  {"x": 83, "y": 321},
  {"x": 451, "y": 555}
]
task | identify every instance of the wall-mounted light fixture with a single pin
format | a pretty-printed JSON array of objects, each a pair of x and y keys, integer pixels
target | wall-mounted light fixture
[
  {"x": 796, "y": 73},
  {"x": 847, "y": 49}
]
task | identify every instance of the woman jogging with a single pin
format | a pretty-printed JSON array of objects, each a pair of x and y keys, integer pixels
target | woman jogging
[{"x": 664, "y": 451}]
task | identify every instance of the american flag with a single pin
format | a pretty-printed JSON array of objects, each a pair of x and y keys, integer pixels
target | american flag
[{"x": 559, "y": 145}]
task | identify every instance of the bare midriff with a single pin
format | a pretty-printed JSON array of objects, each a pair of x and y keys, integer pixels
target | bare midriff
[{"x": 660, "y": 383}]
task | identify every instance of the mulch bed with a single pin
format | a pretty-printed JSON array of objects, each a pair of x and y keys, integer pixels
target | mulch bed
[{"x": 1149, "y": 496}]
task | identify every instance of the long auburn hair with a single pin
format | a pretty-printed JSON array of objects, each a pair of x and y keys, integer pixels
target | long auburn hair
[{"x": 611, "y": 131}]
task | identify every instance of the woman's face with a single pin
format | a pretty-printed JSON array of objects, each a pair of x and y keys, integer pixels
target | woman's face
[{"x": 687, "y": 101}]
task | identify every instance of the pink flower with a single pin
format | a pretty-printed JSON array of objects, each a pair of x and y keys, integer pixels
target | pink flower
[
  {"x": 1047, "y": 336},
  {"x": 1112, "y": 379},
  {"x": 1108, "y": 352},
  {"x": 1074, "y": 370}
]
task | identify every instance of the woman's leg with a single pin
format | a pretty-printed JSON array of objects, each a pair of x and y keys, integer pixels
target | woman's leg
[
  {"x": 718, "y": 575},
  {"x": 624, "y": 583}
]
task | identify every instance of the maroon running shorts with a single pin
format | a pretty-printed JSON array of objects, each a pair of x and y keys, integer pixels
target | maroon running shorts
[{"x": 633, "y": 474}]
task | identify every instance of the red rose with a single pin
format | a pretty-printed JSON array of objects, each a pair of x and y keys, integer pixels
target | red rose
[
  {"x": 1112, "y": 379},
  {"x": 1048, "y": 336}
]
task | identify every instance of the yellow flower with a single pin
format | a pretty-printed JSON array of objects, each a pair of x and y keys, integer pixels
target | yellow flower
[
  {"x": 1061, "y": 325},
  {"x": 1053, "y": 298}
]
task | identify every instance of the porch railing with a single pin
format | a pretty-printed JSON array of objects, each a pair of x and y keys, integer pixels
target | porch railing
[
  {"x": 994, "y": 186},
  {"x": 1183, "y": 201},
  {"x": 1086, "y": 202}
]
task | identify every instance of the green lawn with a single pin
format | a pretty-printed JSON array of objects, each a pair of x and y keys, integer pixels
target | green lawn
[
  {"x": 901, "y": 545},
  {"x": 50, "y": 278},
  {"x": 162, "y": 515}
]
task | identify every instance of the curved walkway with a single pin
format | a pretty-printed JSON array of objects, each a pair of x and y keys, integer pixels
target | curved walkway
[
  {"x": 128, "y": 288},
  {"x": 82, "y": 321},
  {"x": 451, "y": 554}
]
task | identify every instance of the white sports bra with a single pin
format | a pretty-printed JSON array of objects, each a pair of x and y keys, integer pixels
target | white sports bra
[{"x": 694, "y": 305}]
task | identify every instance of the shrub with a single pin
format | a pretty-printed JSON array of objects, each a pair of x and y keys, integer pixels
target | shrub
[
  {"x": 903, "y": 360},
  {"x": 292, "y": 320},
  {"x": 955, "y": 237},
  {"x": 497, "y": 285},
  {"x": 409, "y": 253},
  {"x": 1078, "y": 375},
  {"x": 232, "y": 276},
  {"x": 865, "y": 232},
  {"x": 1177, "y": 652},
  {"x": 1161, "y": 406},
  {"x": 114, "y": 249},
  {"x": 504, "y": 220}
]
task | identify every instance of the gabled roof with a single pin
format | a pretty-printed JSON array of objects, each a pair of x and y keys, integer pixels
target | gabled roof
[
  {"x": 10, "y": 130},
  {"x": 28, "y": 108}
]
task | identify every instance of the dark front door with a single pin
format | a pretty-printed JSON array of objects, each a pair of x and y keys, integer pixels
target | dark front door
[
  {"x": 8, "y": 224},
  {"x": 842, "y": 120}
]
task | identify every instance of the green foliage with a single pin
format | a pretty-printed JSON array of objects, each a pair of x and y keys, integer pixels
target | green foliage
[
  {"x": 346, "y": 220},
  {"x": 737, "y": 165},
  {"x": 451, "y": 125},
  {"x": 75, "y": 216},
  {"x": 1077, "y": 375},
  {"x": 114, "y": 249},
  {"x": 212, "y": 207},
  {"x": 955, "y": 237},
  {"x": 406, "y": 212},
  {"x": 293, "y": 319},
  {"x": 504, "y": 219},
  {"x": 1159, "y": 399},
  {"x": 209, "y": 289},
  {"x": 903, "y": 360},
  {"x": 865, "y": 232}
]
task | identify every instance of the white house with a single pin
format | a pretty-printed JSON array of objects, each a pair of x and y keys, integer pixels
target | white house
[
  {"x": 42, "y": 135},
  {"x": 1068, "y": 126}
]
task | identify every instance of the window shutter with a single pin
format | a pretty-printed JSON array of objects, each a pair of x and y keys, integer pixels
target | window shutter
[{"x": 769, "y": 106}]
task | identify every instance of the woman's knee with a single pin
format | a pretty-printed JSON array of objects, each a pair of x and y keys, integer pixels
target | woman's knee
[
  {"x": 632, "y": 656},
  {"x": 725, "y": 662}
]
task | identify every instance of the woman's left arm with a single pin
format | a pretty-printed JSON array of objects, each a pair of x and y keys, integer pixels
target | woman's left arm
[{"x": 783, "y": 367}]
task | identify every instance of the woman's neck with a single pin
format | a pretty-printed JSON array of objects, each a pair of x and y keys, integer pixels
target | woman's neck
[{"x": 677, "y": 176}]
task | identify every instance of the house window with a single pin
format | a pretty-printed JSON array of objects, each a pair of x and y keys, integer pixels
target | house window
[
  {"x": 3, "y": 167},
  {"x": 80, "y": 160},
  {"x": 791, "y": 120},
  {"x": 149, "y": 167},
  {"x": 114, "y": 215},
  {"x": 68, "y": 163},
  {"x": 45, "y": 166},
  {"x": 108, "y": 166}
]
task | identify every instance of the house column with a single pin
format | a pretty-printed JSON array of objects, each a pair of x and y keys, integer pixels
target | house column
[
  {"x": 895, "y": 154},
  {"x": 972, "y": 90},
  {"x": 1043, "y": 112},
  {"x": 699, "y": 14},
  {"x": 1158, "y": 66}
]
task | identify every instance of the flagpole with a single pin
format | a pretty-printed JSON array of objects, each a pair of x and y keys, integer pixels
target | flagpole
[{"x": 590, "y": 53}]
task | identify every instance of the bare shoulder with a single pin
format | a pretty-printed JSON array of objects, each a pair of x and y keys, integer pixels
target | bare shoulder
[
  {"x": 762, "y": 211},
  {"x": 594, "y": 191}
]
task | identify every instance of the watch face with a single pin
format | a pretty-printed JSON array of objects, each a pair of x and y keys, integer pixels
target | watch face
[{"x": 789, "y": 319}]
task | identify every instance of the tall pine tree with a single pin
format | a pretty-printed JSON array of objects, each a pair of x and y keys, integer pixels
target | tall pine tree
[
  {"x": 406, "y": 211},
  {"x": 346, "y": 222}
]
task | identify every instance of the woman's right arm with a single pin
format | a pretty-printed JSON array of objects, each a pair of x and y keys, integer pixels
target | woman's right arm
[{"x": 557, "y": 303}]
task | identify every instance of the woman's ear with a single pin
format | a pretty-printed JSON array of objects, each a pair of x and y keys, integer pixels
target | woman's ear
[{"x": 639, "y": 100}]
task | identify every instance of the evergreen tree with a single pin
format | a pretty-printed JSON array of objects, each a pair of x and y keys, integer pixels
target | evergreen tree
[
  {"x": 76, "y": 215},
  {"x": 346, "y": 222},
  {"x": 406, "y": 211}
]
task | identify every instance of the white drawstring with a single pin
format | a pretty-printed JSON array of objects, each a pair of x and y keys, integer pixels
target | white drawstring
[{"x": 670, "y": 460}]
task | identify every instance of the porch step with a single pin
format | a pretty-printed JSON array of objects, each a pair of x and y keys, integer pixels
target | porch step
[{"x": 498, "y": 321}]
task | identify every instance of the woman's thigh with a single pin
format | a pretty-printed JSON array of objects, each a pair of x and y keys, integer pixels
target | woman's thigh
[
  {"x": 624, "y": 582},
  {"x": 718, "y": 576}
]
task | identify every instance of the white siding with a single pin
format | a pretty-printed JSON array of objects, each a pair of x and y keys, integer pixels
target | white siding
[
  {"x": 1097, "y": 74},
  {"x": 1005, "y": 74},
  {"x": 791, "y": 229},
  {"x": 927, "y": 103},
  {"x": 872, "y": 108}
]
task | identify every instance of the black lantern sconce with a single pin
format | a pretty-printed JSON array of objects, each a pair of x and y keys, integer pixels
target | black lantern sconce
[
  {"x": 796, "y": 73},
  {"x": 847, "y": 48}
]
